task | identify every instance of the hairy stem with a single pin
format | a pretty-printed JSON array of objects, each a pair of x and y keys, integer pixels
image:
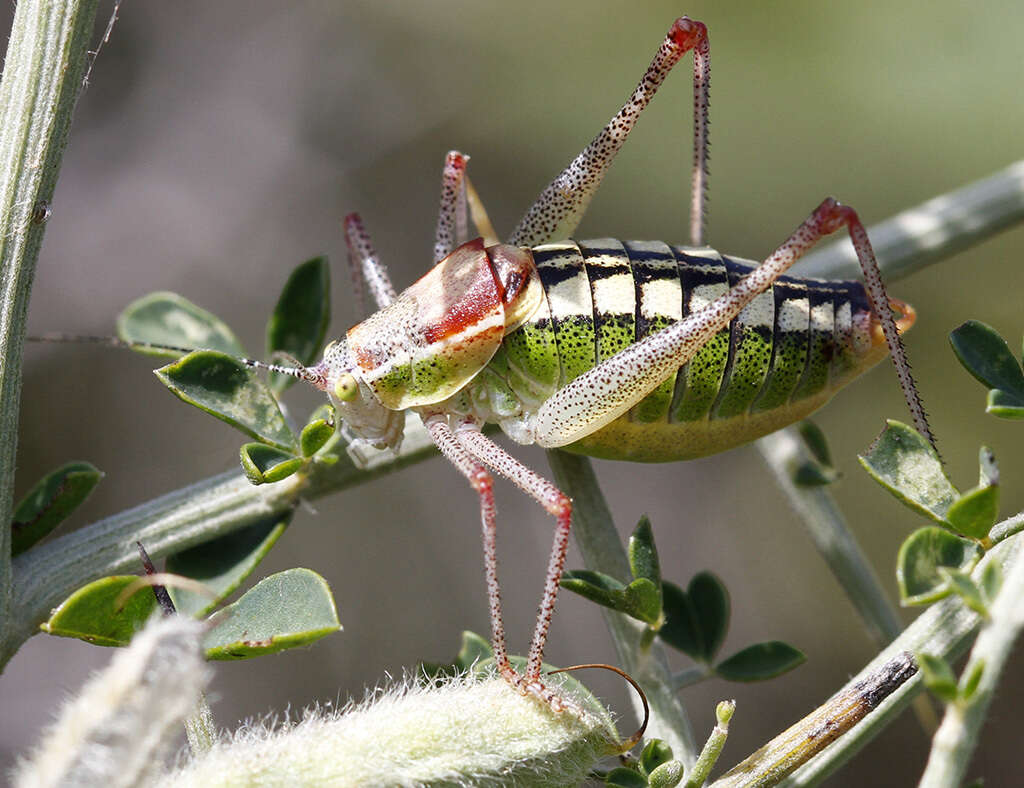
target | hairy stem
[{"x": 42, "y": 78}]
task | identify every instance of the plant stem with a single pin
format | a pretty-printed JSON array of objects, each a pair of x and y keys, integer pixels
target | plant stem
[
  {"x": 945, "y": 629},
  {"x": 827, "y": 527},
  {"x": 42, "y": 79},
  {"x": 45, "y": 575},
  {"x": 602, "y": 551},
  {"x": 956, "y": 738},
  {"x": 932, "y": 231},
  {"x": 783, "y": 451}
]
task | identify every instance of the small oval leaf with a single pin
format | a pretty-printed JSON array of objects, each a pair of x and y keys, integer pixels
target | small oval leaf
[
  {"x": 225, "y": 388},
  {"x": 223, "y": 563},
  {"x": 314, "y": 436},
  {"x": 760, "y": 661},
  {"x": 89, "y": 613},
  {"x": 300, "y": 319},
  {"x": 961, "y": 584},
  {"x": 289, "y": 609},
  {"x": 680, "y": 629},
  {"x": 265, "y": 464},
  {"x": 168, "y": 319},
  {"x": 643, "y": 555},
  {"x": 813, "y": 474},
  {"x": 600, "y": 588},
  {"x": 1005, "y": 405},
  {"x": 970, "y": 679},
  {"x": 642, "y": 601},
  {"x": 921, "y": 556},
  {"x": 938, "y": 676},
  {"x": 990, "y": 581},
  {"x": 51, "y": 501},
  {"x": 668, "y": 775},
  {"x": 654, "y": 754},
  {"x": 974, "y": 513},
  {"x": 987, "y": 357},
  {"x": 903, "y": 462},
  {"x": 710, "y": 601},
  {"x": 474, "y": 649},
  {"x": 621, "y": 777},
  {"x": 815, "y": 441}
]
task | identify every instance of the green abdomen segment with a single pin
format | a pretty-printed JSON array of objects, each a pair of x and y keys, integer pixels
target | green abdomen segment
[{"x": 782, "y": 357}]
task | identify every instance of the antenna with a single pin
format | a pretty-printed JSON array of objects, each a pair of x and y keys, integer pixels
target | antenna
[{"x": 312, "y": 375}]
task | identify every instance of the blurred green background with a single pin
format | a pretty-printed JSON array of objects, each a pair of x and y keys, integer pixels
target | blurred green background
[{"x": 219, "y": 144}]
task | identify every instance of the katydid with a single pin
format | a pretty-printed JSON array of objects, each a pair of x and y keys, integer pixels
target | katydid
[
  {"x": 624, "y": 350},
  {"x": 633, "y": 350}
]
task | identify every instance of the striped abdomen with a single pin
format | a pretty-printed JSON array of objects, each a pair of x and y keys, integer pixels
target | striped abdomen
[{"x": 782, "y": 357}]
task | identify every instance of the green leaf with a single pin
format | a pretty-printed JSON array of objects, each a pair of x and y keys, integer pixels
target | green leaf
[
  {"x": 710, "y": 600},
  {"x": 970, "y": 680},
  {"x": 668, "y": 775},
  {"x": 50, "y": 502},
  {"x": 640, "y": 599},
  {"x": 818, "y": 471},
  {"x": 621, "y": 777},
  {"x": 289, "y": 609},
  {"x": 643, "y": 555},
  {"x": 265, "y": 464},
  {"x": 938, "y": 676},
  {"x": 987, "y": 357},
  {"x": 815, "y": 441},
  {"x": 314, "y": 436},
  {"x": 598, "y": 587},
  {"x": 1005, "y": 404},
  {"x": 991, "y": 579},
  {"x": 974, "y": 512},
  {"x": 921, "y": 556},
  {"x": 760, "y": 661},
  {"x": 961, "y": 584},
  {"x": 300, "y": 319},
  {"x": 680, "y": 629},
  {"x": 169, "y": 319},
  {"x": 654, "y": 754},
  {"x": 811, "y": 474},
  {"x": 89, "y": 614},
  {"x": 223, "y": 563},
  {"x": 474, "y": 649},
  {"x": 225, "y": 388},
  {"x": 697, "y": 619},
  {"x": 903, "y": 462}
]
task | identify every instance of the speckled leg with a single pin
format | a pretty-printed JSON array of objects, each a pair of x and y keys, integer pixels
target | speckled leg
[
  {"x": 364, "y": 265},
  {"x": 605, "y": 392},
  {"x": 560, "y": 207},
  {"x": 554, "y": 501},
  {"x": 452, "y": 224}
]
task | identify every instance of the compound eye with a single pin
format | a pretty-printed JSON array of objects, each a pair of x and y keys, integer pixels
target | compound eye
[{"x": 346, "y": 388}]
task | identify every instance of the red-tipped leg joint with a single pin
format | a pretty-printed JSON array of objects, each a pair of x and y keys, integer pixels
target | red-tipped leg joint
[{"x": 688, "y": 33}]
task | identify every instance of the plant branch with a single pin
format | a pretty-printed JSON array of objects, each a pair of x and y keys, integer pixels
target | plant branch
[
  {"x": 957, "y": 736},
  {"x": 945, "y": 629},
  {"x": 45, "y": 575},
  {"x": 932, "y": 231},
  {"x": 42, "y": 79}
]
